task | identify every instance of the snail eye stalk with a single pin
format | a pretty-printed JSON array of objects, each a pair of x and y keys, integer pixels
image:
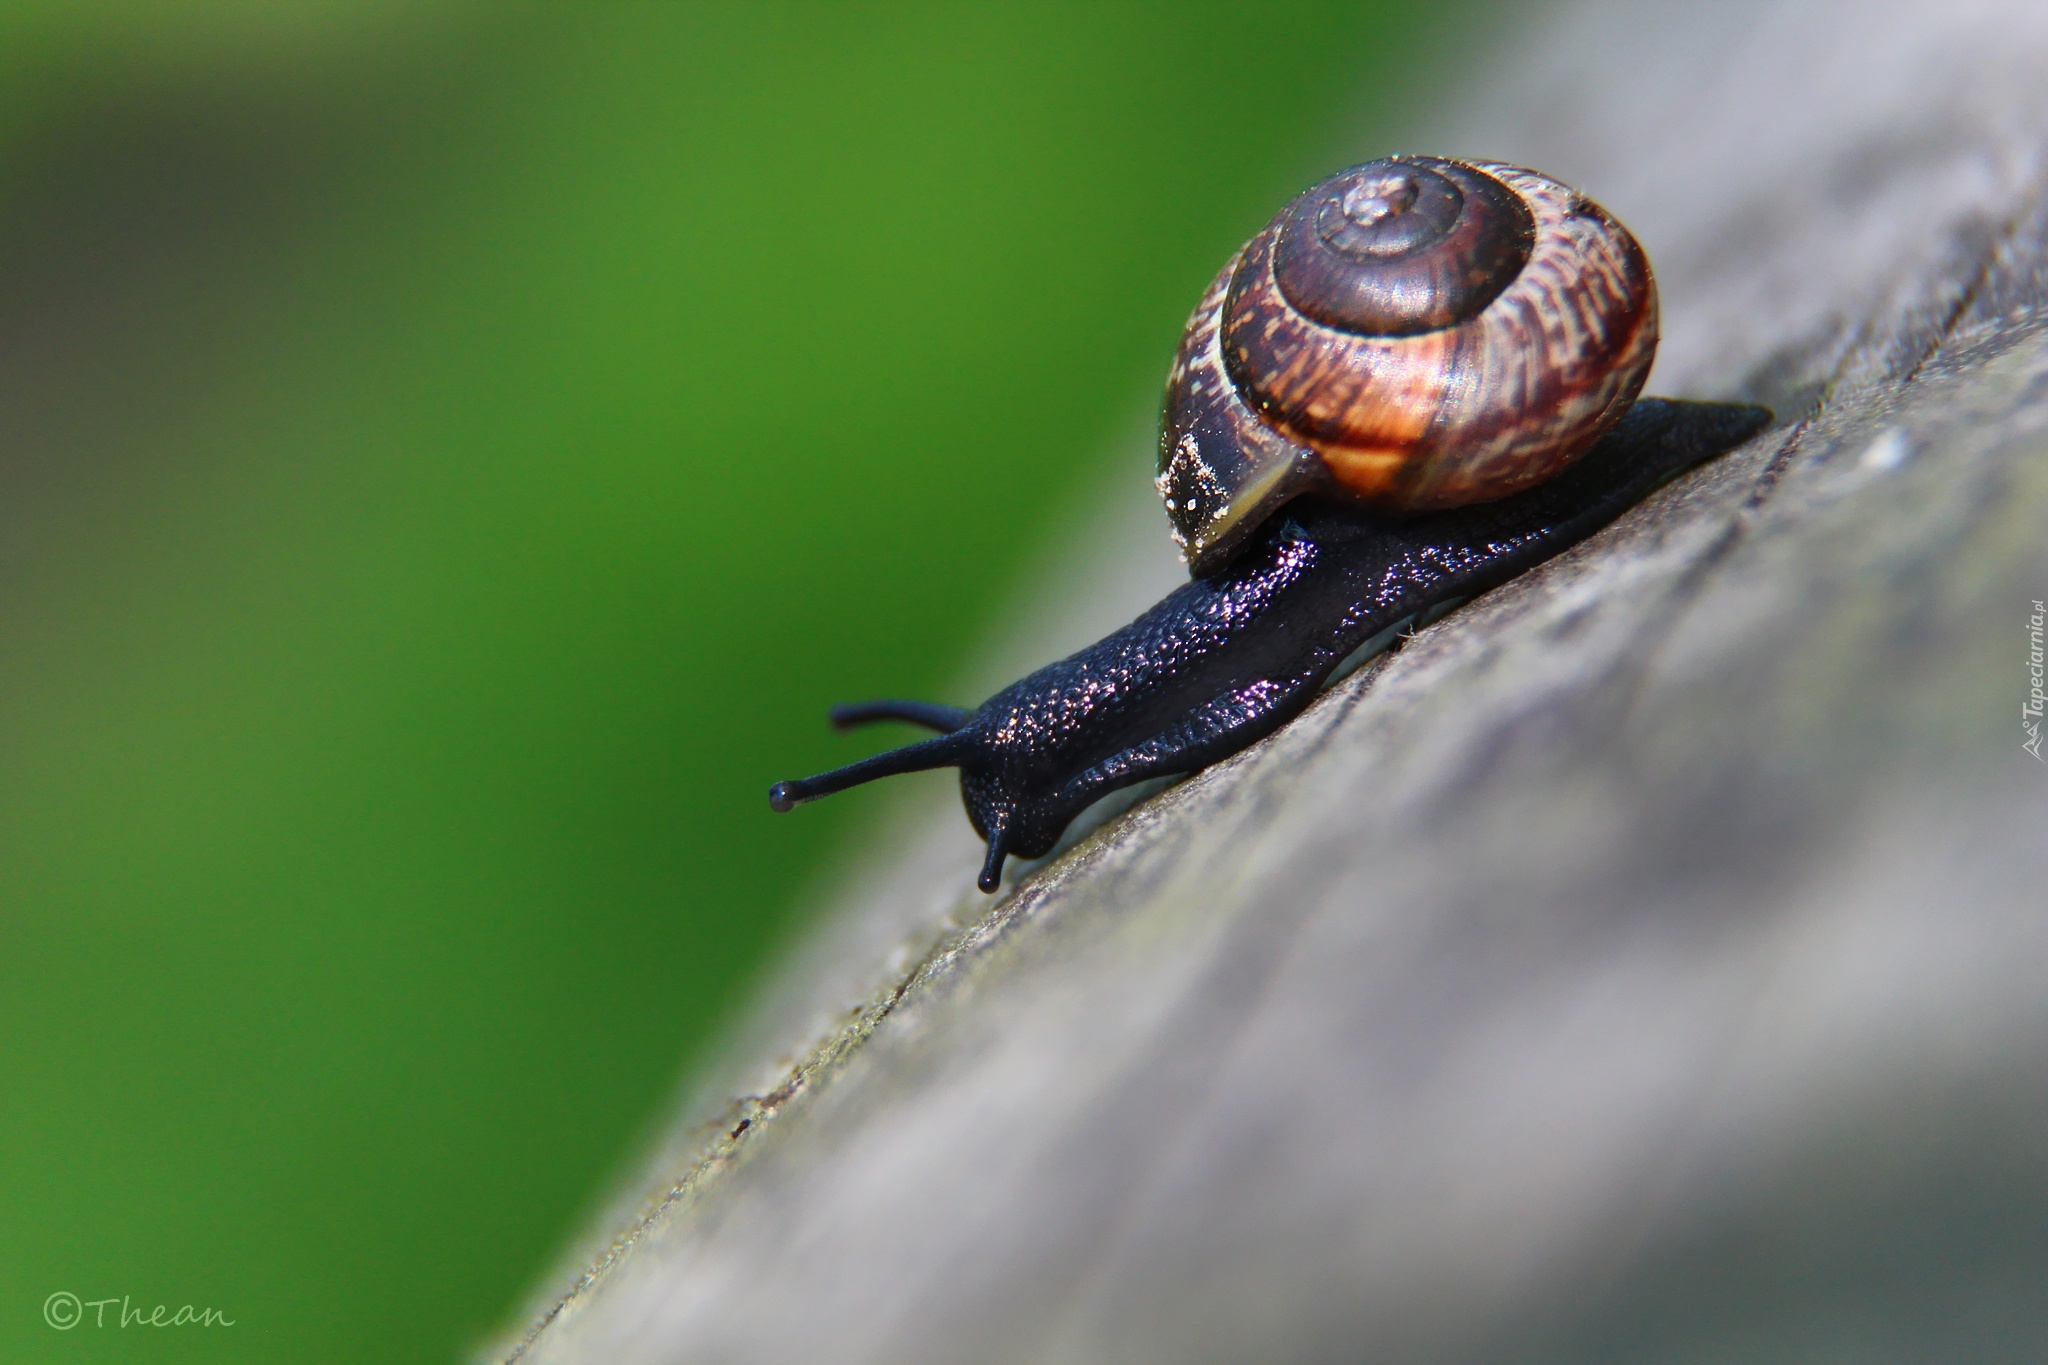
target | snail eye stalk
[
  {"x": 932, "y": 716},
  {"x": 944, "y": 752}
]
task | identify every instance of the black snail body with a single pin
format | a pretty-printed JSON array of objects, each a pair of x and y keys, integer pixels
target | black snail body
[{"x": 1417, "y": 382}]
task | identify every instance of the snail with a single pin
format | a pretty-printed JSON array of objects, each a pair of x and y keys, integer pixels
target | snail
[{"x": 1416, "y": 382}]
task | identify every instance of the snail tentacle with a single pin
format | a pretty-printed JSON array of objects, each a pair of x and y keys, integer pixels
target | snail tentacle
[
  {"x": 929, "y": 714},
  {"x": 946, "y": 751},
  {"x": 998, "y": 836}
]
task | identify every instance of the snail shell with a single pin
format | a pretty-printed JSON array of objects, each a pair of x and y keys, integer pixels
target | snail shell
[{"x": 1411, "y": 334}]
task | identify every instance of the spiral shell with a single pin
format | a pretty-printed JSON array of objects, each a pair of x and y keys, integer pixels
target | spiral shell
[{"x": 1411, "y": 334}]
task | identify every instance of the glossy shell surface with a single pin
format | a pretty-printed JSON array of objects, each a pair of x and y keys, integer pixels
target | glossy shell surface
[{"x": 1404, "y": 345}]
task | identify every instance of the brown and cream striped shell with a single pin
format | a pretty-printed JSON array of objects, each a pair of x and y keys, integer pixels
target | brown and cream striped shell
[{"x": 1411, "y": 334}]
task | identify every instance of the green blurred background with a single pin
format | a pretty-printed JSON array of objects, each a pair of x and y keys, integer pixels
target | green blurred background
[{"x": 452, "y": 454}]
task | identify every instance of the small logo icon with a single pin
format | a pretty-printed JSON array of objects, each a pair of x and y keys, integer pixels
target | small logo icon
[{"x": 63, "y": 1311}]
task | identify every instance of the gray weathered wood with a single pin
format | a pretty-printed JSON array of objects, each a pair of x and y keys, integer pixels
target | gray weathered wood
[{"x": 1645, "y": 962}]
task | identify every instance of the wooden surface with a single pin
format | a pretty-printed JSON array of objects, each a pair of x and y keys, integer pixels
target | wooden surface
[{"x": 1645, "y": 962}]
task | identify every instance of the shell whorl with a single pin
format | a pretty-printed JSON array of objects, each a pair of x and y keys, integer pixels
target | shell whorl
[
  {"x": 1398, "y": 248},
  {"x": 1415, "y": 333}
]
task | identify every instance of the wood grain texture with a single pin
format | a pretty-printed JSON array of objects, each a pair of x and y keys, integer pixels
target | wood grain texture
[{"x": 1642, "y": 963}]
